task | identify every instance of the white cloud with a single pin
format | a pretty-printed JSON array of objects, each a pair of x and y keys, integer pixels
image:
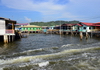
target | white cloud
[
  {"x": 71, "y": 9},
  {"x": 28, "y": 19},
  {"x": 43, "y": 7}
]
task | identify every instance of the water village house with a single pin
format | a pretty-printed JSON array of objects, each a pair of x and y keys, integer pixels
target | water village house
[
  {"x": 45, "y": 28},
  {"x": 87, "y": 27},
  {"x": 97, "y": 26},
  {"x": 31, "y": 28},
  {"x": 7, "y": 28},
  {"x": 50, "y": 28},
  {"x": 19, "y": 25},
  {"x": 57, "y": 28},
  {"x": 68, "y": 27}
]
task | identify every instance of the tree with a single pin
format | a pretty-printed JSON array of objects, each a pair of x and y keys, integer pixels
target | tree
[{"x": 53, "y": 23}]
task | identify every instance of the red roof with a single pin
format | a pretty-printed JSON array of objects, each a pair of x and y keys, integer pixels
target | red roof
[
  {"x": 79, "y": 24},
  {"x": 88, "y": 24},
  {"x": 97, "y": 24}
]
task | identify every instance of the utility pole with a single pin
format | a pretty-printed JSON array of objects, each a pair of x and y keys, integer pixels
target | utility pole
[{"x": 60, "y": 28}]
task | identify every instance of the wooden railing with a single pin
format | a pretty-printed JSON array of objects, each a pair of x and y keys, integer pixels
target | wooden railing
[{"x": 9, "y": 31}]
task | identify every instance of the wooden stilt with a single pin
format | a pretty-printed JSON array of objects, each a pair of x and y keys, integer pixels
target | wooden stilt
[
  {"x": 76, "y": 33},
  {"x": 87, "y": 35},
  {"x": 66, "y": 33},
  {"x": 12, "y": 38},
  {"x": 60, "y": 32},
  {"x": 5, "y": 39},
  {"x": 91, "y": 34},
  {"x": 9, "y": 38},
  {"x": 72, "y": 33},
  {"x": 81, "y": 35}
]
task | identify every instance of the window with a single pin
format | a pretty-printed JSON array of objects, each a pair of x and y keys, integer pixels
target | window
[
  {"x": 78, "y": 28},
  {"x": 84, "y": 27},
  {"x": 90, "y": 27},
  {"x": 25, "y": 28},
  {"x": 9, "y": 26},
  {"x": 93, "y": 27}
]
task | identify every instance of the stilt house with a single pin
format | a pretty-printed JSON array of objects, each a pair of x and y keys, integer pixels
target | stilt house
[
  {"x": 67, "y": 27},
  {"x": 87, "y": 27},
  {"x": 7, "y": 27}
]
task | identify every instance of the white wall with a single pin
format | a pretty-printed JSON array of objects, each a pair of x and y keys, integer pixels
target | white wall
[
  {"x": 87, "y": 28},
  {"x": 2, "y": 27}
]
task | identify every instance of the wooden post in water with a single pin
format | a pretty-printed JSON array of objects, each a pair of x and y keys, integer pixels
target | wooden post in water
[
  {"x": 5, "y": 39},
  {"x": 81, "y": 35},
  {"x": 13, "y": 38},
  {"x": 91, "y": 34},
  {"x": 87, "y": 35},
  {"x": 76, "y": 32},
  {"x": 9, "y": 38},
  {"x": 72, "y": 32},
  {"x": 66, "y": 33}
]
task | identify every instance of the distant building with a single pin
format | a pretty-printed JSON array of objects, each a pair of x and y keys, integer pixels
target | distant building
[
  {"x": 31, "y": 28},
  {"x": 19, "y": 25},
  {"x": 22, "y": 24}
]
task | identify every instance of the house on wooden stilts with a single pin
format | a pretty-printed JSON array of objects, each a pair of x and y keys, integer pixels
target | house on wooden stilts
[
  {"x": 67, "y": 28},
  {"x": 7, "y": 29},
  {"x": 31, "y": 29},
  {"x": 88, "y": 28}
]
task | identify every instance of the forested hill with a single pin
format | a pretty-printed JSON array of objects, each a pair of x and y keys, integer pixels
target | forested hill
[{"x": 52, "y": 23}]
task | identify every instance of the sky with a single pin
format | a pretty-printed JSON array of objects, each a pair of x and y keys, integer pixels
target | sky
[{"x": 26, "y": 11}]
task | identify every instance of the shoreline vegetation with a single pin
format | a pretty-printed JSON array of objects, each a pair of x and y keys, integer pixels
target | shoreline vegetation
[{"x": 52, "y": 23}]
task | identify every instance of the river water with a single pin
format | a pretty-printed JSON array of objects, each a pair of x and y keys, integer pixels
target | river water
[{"x": 51, "y": 52}]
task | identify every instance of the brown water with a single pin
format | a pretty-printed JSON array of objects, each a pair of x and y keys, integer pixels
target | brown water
[{"x": 50, "y": 52}]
